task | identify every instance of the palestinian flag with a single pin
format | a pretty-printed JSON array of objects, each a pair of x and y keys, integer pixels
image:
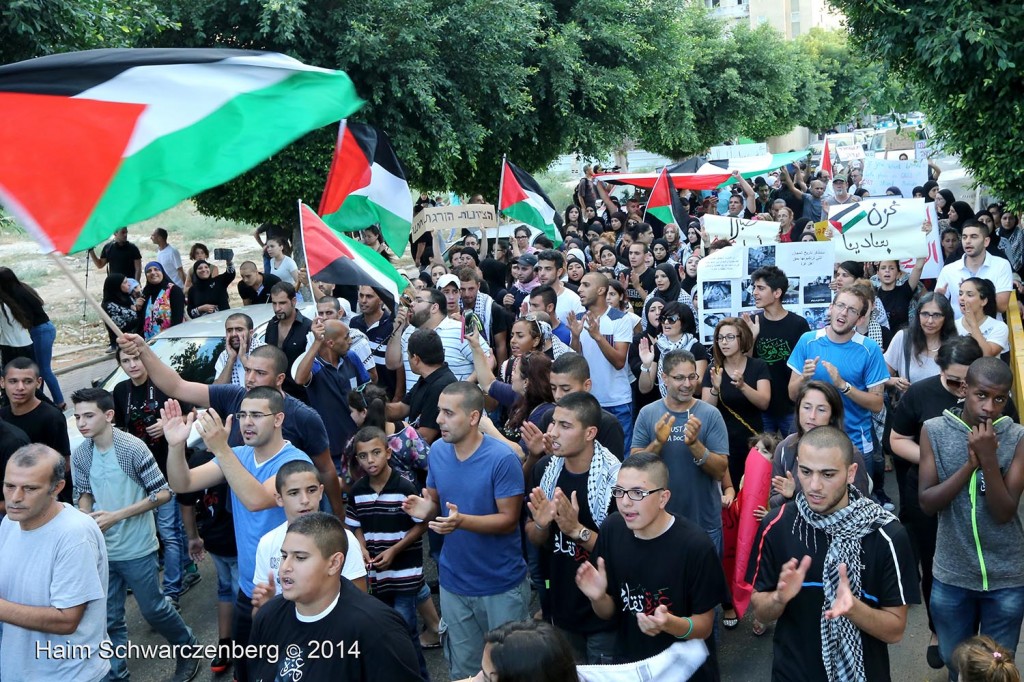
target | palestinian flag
[
  {"x": 845, "y": 217},
  {"x": 826, "y": 158},
  {"x": 92, "y": 141},
  {"x": 335, "y": 258},
  {"x": 711, "y": 174},
  {"x": 366, "y": 186},
  {"x": 663, "y": 204},
  {"x": 523, "y": 199}
]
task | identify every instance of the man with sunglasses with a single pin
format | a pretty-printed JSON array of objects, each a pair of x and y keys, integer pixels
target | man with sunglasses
[
  {"x": 250, "y": 470},
  {"x": 669, "y": 597},
  {"x": 691, "y": 438},
  {"x": 850, "y": 361},
  {"x": 328, "y": 371}
]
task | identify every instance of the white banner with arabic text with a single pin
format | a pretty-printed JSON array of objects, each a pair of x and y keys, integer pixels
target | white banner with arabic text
[
  {"x": 740, "y": 230},
  {"x": 879, "y": 228}
]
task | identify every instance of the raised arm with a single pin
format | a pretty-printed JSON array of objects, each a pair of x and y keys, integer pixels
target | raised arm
[
  {"x": 162, "y": 376},
  {"x": 915, "y": 275},
  {"x": 748, "y": 191},
  {"x": 788, "y": 179}
]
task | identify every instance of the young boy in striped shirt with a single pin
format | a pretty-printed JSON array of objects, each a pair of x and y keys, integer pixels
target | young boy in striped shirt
[{"x": 390, "y": 538}]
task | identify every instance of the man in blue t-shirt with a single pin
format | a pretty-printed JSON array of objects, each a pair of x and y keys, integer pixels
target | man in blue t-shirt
[
  {"x": 851, "y": 362},
  {"x": 477, "y": 482},
  {"x": 249, "y": 470}
]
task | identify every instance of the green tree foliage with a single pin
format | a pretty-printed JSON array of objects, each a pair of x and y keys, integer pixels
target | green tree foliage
[
  {"x": 963, "y": 59},
  {"x": 33, "y": 28}
]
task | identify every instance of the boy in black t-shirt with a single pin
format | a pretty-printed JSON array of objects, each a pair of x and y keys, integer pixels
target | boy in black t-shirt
[
  {"x": 392, "y": 541},
  {"x": 321, "y": 624},
  {"x": 657, "y": 576}
]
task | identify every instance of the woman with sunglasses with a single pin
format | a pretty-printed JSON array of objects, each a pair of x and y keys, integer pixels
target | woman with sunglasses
[
  {"x": 924, "y": 400},
  {"x": 978, "y": 305},
  {"x": 673, "y": 329}
]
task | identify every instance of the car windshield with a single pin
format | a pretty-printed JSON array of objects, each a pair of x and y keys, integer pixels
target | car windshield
[{"x": 192, "y": 358}]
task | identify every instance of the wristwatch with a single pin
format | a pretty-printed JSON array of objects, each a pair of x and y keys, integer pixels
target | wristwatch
[
  {"x": 847, "y": 388},
  {"x": 584, "y": 535}
]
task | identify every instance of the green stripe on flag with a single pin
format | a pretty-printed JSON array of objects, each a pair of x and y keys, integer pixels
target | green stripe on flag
[
  {"x": 526, "y": 212},
  {"x": 237, "y": 136}
]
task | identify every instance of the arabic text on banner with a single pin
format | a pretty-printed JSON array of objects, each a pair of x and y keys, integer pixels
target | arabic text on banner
[
  {"x": 724, "y": 287},
  {"x": 879, "y": 228},
  {"x": 880, "y": 174},
  {"x": 933, "y": 265},
  {"x": 741, "y": 230}
]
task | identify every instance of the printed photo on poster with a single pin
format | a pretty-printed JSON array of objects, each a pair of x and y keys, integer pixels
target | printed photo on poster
[
  {"x": 792, "y": 295},
  {"x": 747, "y": 293},
  {"x": 817, "y": 318},
  {"x": 817, "y": 290},
  {"x": 759, "y": 257},
  {"x": 717, "y": 295},
  {"x": 709, "y": 323}
]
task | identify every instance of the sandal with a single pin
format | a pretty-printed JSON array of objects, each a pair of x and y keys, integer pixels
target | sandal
[
  {"x": 730, "y": 623},
  {"x": 758, "y": 628},
  {"x": 435, "y": 645}
]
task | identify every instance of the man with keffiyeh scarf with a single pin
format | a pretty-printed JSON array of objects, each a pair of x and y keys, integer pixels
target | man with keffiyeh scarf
[{"x": 832, "y": 567}]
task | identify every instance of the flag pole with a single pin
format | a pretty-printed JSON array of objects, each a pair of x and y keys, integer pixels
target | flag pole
[
  {"x": 501, "y": 185},
  {"x": 305, "y": 261},
  {"x": 85, "y": 294}
]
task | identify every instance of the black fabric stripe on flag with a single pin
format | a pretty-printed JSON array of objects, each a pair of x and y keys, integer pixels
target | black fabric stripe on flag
[
  {"x": 71, "y": 73},
  {"x": 369, "y": 138}
]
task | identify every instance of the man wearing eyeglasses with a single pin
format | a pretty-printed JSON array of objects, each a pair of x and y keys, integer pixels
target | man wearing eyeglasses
[
  {"x": 691, "y": 438},
  {"x": 657, "y": 575},
  {"x": 249, "y": 470},
  {"x": 853, "y": 363},
  {"x": 328, "y": 371}
]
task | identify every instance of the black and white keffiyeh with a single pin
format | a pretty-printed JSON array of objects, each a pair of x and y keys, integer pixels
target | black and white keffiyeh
[
  {"x": 604, "y": 469},
  {"x": 841, "y": 645}
]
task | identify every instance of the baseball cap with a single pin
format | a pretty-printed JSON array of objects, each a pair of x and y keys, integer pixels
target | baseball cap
[
  {"x": 445, "y": 280},
  {"x": 527, "y": 259}
]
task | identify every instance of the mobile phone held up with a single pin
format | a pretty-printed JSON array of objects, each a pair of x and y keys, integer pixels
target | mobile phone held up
[
  {"x": 223, "y": 254},
  {"x": 471, "y": 321}
]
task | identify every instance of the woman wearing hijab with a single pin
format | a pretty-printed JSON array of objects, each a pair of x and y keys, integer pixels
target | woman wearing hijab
[
  {"x": 958, "y": 213},
  {"x": 930, "y": 189},
  {"x": 944, "y": 199},
  {"x": 660, "y": 251},
  {"x": 120, "y": 306},
  {"x": 163, "y": 300},
  {"x": 666, "y": 285},
  {"x": 209, "y": 293}
]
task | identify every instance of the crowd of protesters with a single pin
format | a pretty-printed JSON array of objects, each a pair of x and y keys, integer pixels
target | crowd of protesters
[{"x": 545, "y": 425}]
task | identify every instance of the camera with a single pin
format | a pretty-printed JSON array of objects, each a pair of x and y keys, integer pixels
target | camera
[
  {"x": 223, "y": 254},
  {"x": 472, "y": 321}
]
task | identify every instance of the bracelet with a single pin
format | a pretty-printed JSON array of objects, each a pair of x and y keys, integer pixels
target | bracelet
[
  {"x": 715, "y": 393},
  {"x": 847, "y": 389},
  {"x": 728, "y": 487},
  {"x": 687, "y": 633},
  {"x": 645, "y": 369},
  {"x": 700, "y": 462},
  {"x": 541, "y": 528}
]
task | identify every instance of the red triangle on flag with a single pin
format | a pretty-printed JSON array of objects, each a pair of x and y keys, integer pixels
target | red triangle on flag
[
  {"x": 321, "y": 245},
  {"x": 350, "y": 170},
  {"x": 826, "y": 158},
  {"x": 511, "y": 191}
]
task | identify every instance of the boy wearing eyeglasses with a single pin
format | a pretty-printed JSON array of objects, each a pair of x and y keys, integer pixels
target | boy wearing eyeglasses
[
  {"x": 248, "y": 469},
  {"x": 657, "y": 575}
]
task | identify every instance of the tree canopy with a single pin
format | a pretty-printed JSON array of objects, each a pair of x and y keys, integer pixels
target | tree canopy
[{"x": 963, "y": 59}]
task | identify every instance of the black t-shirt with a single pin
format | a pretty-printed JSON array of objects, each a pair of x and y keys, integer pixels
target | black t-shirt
[
  {"x": 635, "y": 299},
  {"x": 121, "y": 258},
  {"x": 742, "y": 419},
  {"x": 213, "y": 512},
  {"x": 679, "y": 568},
  {"x": 293, "y": 346},
  {"x": 11, "y": 438},
  {"x": 495, "y": 273},
  {"x": 423, "y": 398},
  {"x": 888, "y": 578},
  {"x": 609, "y": 433},
  {"x": 897, "y": 305},
  {"x": 775, "y": 342},
  {"x": 47, "y": 425},
  {"x": 569, "y": 608},
  {"x": 360, "y": 640},
  {"x": 247, "y": 293},
  {"x": 795, "y": 205},
  {"x": 135, "y": 408}
]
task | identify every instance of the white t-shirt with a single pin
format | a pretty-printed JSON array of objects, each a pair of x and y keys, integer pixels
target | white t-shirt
[
  {"x": 457, "y": 351},
  {"x": 992, "y": 329},
  {"x": 921, "y": 367},
  {"x": 286, "y": 271},
  {"x": 568, "y": 303},
  {"x": 995, "y": 269},
  {"x": 268, "y": 557},
  {"x": 63, "y": 563},
  {"x": 171, "y": 260},
  {"x": 610, "y": 385}
]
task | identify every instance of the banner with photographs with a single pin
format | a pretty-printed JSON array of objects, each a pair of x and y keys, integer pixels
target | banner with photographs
[{"x": 725, "y": 289}]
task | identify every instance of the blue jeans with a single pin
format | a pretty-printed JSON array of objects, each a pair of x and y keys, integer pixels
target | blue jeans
[
  {"x": 783, "y": 425},
  {"x": 43, "y": 335},
  {"x": 139, "y": 575},
  {"x": 405, "y": 603},
  {"x": 227, "y": 577},
  {"x": 172, "y": 533},
  {"x": 959, "y": 613},
  {"x": 624, "y": 413}
]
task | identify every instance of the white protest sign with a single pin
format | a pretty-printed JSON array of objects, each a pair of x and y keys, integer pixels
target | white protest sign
[
  {"x": 738, "y": 151},
  {"x": 933, "y": 265},
  {"x": 725, "y": 289},
  {"x": 880, "y": 174},
  {"x": 740, "y": 230},
  {"x": 879, "y": 228},
  {"x": 921, "y": 150},
  {"x": 465, "y": 217}
]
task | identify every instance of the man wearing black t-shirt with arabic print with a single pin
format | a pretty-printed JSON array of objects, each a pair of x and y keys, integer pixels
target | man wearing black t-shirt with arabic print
[
  {"x": 657, "y": 576},
  {"x": 322, "y": 626},
  {"x": 835, "y": 569}
]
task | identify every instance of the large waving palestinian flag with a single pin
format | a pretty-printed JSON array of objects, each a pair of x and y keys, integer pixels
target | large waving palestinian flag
[
  {"x": 92, "y": 141},
  {"x": 523, "y": 199},
  {"x": 366, "y": 186},
  {"x": 664, "y": 204},
  {"x": 332, "y": 257}
]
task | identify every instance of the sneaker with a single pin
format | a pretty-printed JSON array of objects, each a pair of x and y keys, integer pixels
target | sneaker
[
  {"x": 222, "y": 662},
  {"x": 173, "y": 602},
  {"x": 191, "y": 578},
  {"x": 186, "y": 668},
  {"x": 889, "y": 506}
]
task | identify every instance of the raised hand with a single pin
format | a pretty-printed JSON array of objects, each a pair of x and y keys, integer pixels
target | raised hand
[
  {"x": 716, "y": 377},
  {"x": 445, "y": 525},
  {"x": 418, "y": 506},
  {"x": 594, "y": 325},
  {"x": 318, "y": 328},
  {"x": 540, "y": 507},
  {"x": 654, "y": 624},
  {"x": 534, "y": 438},
  {"x": 593, "y": 582},
  {"x": 691, "y": 430},
  {"x": 810, "y": 367},
  {"x": 567, "y": 512},
  {"x": 264, "y": 592},
  {"x": 176, "y": 427},
  {"x": 575, "y": 325},
  {"x": 833, "y": 373},
  {"x": 754, "y": 323},
  {"x": 791, "y": 580},
  {"x": 214, "y": 433},
  {"x": 784, "y": 485},
  {"x": 646, "y": 351},
  {"x": 663, "y": 429}
]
